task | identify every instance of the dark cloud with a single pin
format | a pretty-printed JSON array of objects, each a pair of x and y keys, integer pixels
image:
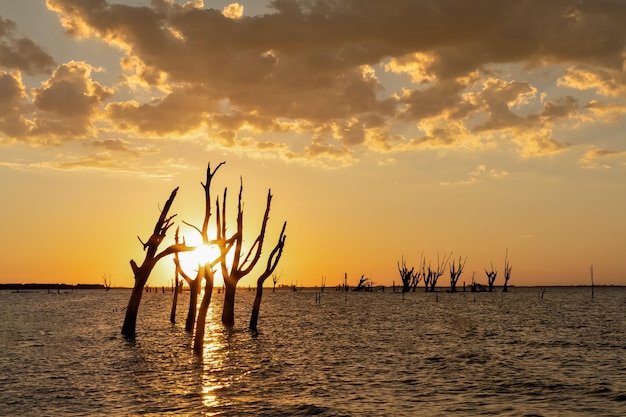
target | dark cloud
[{"x": 22, "y": 53}]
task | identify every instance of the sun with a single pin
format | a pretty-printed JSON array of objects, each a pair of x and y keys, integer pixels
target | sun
[{"x": 203, "y": 254}]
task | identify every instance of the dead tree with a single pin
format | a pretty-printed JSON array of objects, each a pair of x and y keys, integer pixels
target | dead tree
[
  {"x": 491, "y": 277},
  {"x": 242, "y": 264},
  {"x": 507, "y": 272},
  {"x": 142, "y": 273},
  {"x": 428, "y": 275},
  {"x": 272, "y": 262},
  {"x": 455, "y": 272},
  {"x": 591, "y": 272},
  {"x": 176, "y": 274},
  {"x": 362, "y": 285},
  {"x": 408, "y": 276},
  {"x": 107, "y": 281},
  {"x": 441, "y": 269},
  {"x": 275, "y": 279},
  {"x": 194, "y": 290},
  {"x": 419, "y": 274},
  {"x": 198, "y": 340},
  {"x": 205, "y": 270}
]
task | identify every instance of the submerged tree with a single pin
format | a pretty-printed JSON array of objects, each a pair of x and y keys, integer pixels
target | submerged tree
[
  {"x": 362, "y": 285},
  {"x": 434, "y": 274},
  {"x": 275, "y": 279},
  {"x": 491, "y": 277},
  {"x": 455, "y": 272},
  {"x": 272, "y": 262},
  {"x": 142, "y": 273},
  {"x": 175, "y": 283},
  {"x": 241, "y": 264},
  {"x": 206, "y": 271},
  {"x": 409, "y": 277},
  {"x": 507, "y": 272}
]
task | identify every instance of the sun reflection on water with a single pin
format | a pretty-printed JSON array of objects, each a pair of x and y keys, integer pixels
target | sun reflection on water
[{"x": 212, "y": 360}]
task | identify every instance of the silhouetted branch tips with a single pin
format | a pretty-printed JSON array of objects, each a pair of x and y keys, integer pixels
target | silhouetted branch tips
[
  {"x": 107, "y": 281},
  {"x": 507, "y": 271},
  {"x": 491, "y": 276},
  {"x": 408, "y": 276},
  {"x": 455, "y": 272}
]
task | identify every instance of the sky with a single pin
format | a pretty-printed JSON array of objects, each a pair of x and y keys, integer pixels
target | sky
[{"x": 384, "y": 130}]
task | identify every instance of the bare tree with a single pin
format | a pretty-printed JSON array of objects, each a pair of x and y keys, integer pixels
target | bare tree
[
  {"x": 275, "y": 279},
  {"x": 507, "y": 272},
  {"x": 176, "y": 274},
  {"x": 242, "y": 264},
  {"x": 142, "y": 273},
  {"x": 406, "y": 275},
  {"x": 428, "y": 274},
  {"x": 194, "y": 290},
  {"x": 272, "y": 262},
  {"x": 205, "y": 270},
  {"x": 362, "y": 285},
  {"x": 591, "y": 272},
  {"x": 442, "y": 264},
  {"x": 455, "y": 272},
  {"x": 107, "y": 281},
  {"x": 491, "y": 277}
]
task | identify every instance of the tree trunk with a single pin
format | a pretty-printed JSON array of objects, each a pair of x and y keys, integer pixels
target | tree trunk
[
  {"x": 254, "y": 317},
  {"x": 130, "y": 320},
  {"x": 194, "y": 289},
  {"x": 174, "y": 301},
  {"x": 198, "y": 342},
  {"x": 228, "y": 311}
]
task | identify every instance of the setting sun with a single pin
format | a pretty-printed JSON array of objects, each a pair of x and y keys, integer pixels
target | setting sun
[{"x": 202, "y": 255}]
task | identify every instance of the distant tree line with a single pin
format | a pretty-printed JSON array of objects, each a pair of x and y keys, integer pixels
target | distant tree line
[{"x": 429, "y": 274}]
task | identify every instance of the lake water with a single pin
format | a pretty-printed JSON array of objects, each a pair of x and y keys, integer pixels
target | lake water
[{"x": 352, "y": 354}]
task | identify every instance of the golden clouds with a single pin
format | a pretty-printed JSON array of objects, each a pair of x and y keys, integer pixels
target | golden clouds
[
  {"x": 233, "y": 11},
  {"x": 350, "y": 76},
  {"x": 68, "y": 101}
]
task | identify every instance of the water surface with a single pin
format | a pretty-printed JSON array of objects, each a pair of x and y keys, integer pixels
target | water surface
[{"x": 352, "y": 354}]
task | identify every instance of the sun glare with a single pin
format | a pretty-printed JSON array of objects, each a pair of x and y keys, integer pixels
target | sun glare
[{"x": 203, "y": 254}]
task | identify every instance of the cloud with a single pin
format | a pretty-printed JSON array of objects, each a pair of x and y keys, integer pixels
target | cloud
[
  {"x": 601, "y": 158},
  {"x": 233, "y": 11},
  {"x": 350, "y": 75},
  {"x": 479, "y": 174},
  {"x": 21, "y": 53},
  {"x": 67, "y": 103}
]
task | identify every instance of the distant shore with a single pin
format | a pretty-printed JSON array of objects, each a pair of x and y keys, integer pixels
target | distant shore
[
  {"x": 18, "y": 287},
  {"x": 65, "y": 287}
]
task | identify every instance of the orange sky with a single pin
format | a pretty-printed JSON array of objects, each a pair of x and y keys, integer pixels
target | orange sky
[{"x": 384, "y": 129}]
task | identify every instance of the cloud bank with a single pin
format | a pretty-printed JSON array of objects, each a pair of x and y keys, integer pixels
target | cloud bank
[{"x": 349, "y": 76}]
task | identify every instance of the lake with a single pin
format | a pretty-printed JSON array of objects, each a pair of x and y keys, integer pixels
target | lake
[{"x": 521, "y": 353}]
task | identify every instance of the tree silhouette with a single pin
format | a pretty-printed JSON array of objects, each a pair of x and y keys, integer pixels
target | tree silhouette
[
  {"x": 242, "y": 263},
  {"x": 363, "y": 284},
  {"x": 275, "y": 279},
  {"x": 142, "y": 273},
  {"x": 408, "y": 276},
  {"x": 175, "y": 283},
  {"x": 434, "y": 274},
  {"x": 455, "y": 272},
  {"x": 272, "y": 262},
  {"x": 507, "y": 272},
  {"x": 491, "y": 277}
]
